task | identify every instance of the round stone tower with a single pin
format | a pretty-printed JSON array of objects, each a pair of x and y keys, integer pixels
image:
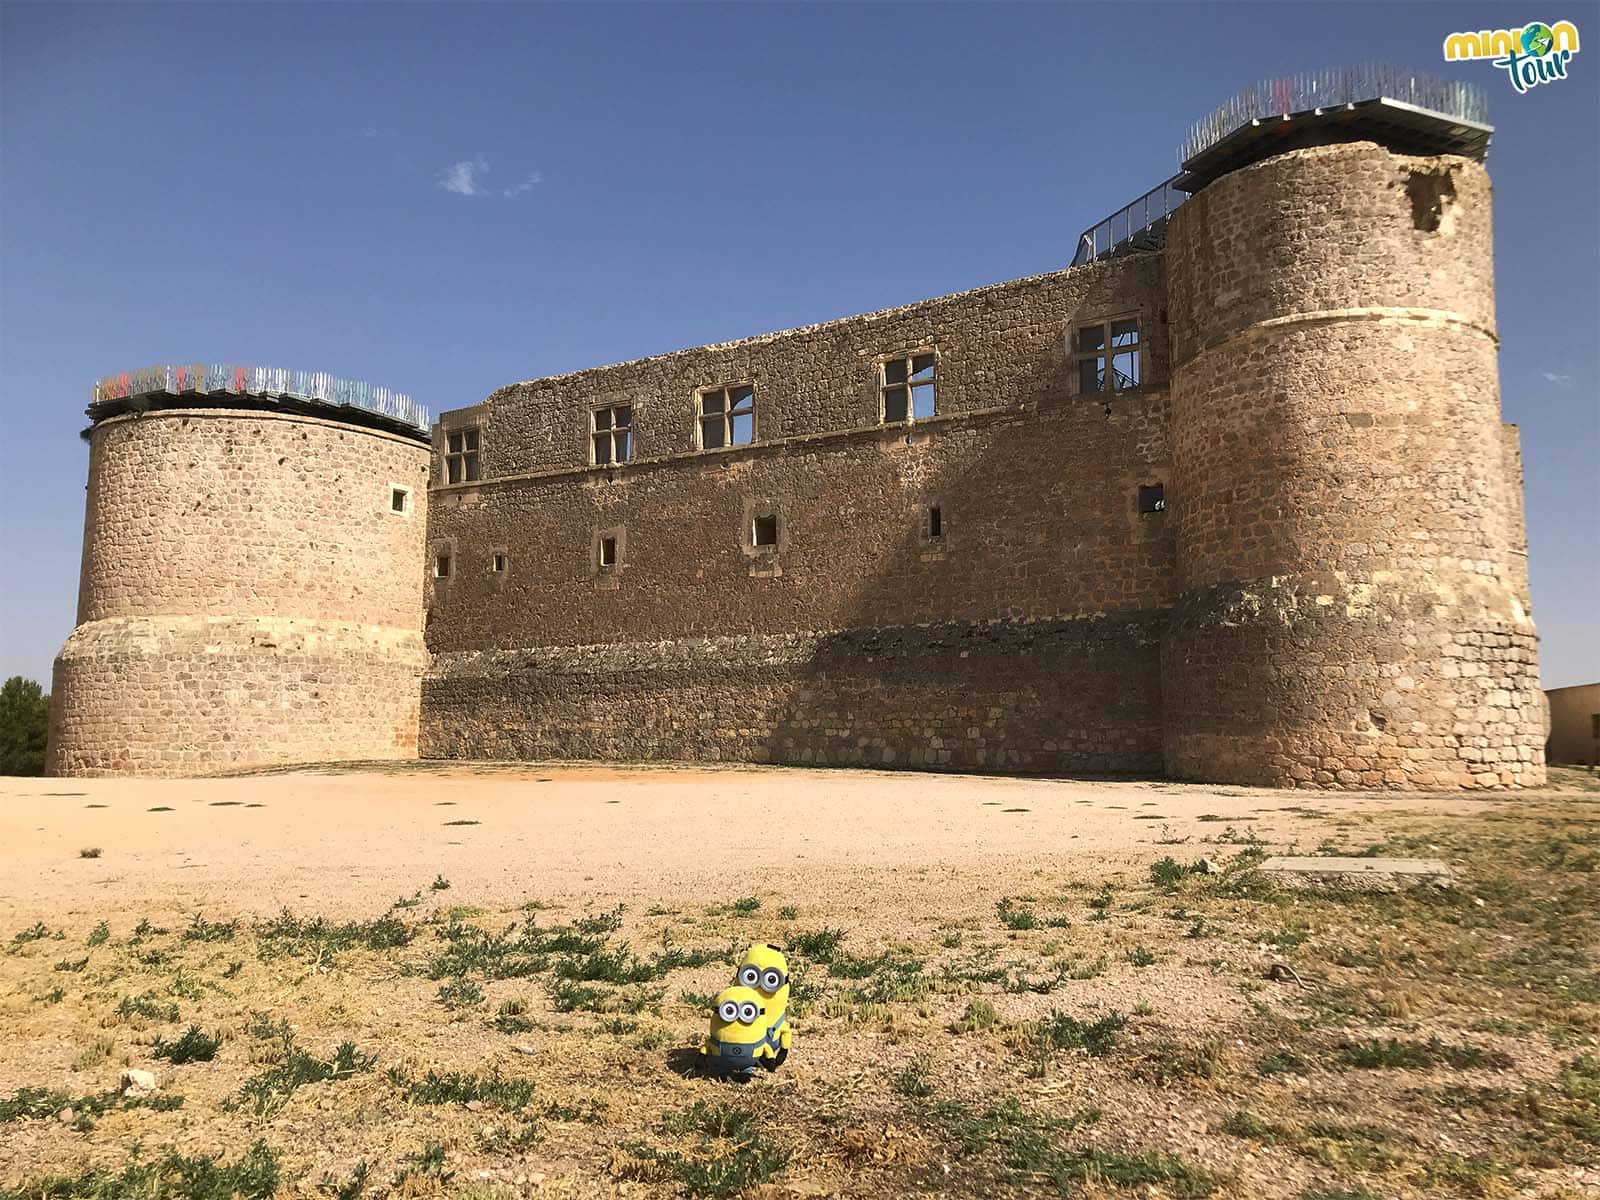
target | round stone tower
[
  {"x": 251, "y": 590},
  {"x": 1352, "y": 602}
]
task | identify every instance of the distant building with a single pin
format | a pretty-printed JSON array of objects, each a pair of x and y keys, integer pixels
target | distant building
[
  {"x": 1228, "y": 499},
  {"x": 1574, "y": 725}
]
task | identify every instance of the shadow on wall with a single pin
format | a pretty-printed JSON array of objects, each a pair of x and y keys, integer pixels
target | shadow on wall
[{"x": 1050, "y": 586}]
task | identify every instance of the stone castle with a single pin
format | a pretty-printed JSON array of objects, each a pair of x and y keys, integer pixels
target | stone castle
[{"x": 1228, "y": 500}]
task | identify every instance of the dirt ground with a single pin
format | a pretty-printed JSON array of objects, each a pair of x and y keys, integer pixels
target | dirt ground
[{"x": 1002, "y": 987}]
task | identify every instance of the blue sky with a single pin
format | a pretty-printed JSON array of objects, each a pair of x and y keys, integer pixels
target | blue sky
[{"x": 447, "y": 198}]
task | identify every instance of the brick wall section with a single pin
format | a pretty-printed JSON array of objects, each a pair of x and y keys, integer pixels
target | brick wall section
[
  {"x": 247, "y": 596},
  {"x": 1351, "y": 604},
  {"x": 1038, "y": 493}
]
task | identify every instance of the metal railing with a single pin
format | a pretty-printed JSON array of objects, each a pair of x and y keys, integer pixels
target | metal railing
[
  {"x": 318, "y": 387},
  {"x": 1141, "y": 225},
  {"x": 1332, "y": 87}
]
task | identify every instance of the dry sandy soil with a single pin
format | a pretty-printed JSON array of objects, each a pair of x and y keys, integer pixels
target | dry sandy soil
[{"x": 1002, "y": 989}]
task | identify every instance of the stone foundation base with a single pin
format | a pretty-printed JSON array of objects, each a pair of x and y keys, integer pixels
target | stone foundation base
[
  {"x": 1047, "y": 697},
  {"x": 198, "y": 696}
]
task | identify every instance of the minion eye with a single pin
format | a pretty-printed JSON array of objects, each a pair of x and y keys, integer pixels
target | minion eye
[
  {"x": 729, "y": 1010},
  {"x": 772, "y": 979},
  {"x": 748, "y": 1013},
  {"x": 749, "y": 976}
]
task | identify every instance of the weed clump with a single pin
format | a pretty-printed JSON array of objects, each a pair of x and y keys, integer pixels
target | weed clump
[
  {"x": 196, "y": 1045},
  {"x": 730, "y": 1154},
  {"x": 270, "y": 1090},
  {"x": 254, "y": 1176},
  {"x": 458, "y": 1087}
]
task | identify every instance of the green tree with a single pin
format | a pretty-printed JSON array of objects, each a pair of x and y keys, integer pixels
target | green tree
[{"x": 24, "y": 721}]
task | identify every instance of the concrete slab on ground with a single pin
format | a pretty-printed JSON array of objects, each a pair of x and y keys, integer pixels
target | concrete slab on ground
[{"x": 1362, "y": 874}]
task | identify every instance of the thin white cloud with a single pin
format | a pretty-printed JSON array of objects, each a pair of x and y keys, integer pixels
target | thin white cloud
[
  {"x": 1557, "y": 379},
  {"x": 527, "y": 185},
  {"x": 465, "y": 177}
]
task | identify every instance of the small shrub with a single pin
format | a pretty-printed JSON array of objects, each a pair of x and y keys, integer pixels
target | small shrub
[
  {"x": 202, "y": 930},
  {"x": 89, "y": 852},
  {"x": 819, "y": 945},
  {"x": 73, "y": 964},
  {"x": 194, "y": 1046},
  {"x": 1013, "y": 917},
  {"x": 270, "y": 1090},
  {"x": 788, "y": 912},
  {"x": 980, "y": 1015},
  {"x": 1139, "y": 956},
  {"x": 1059, "y": 1031},
  {"x": 746, "y": 906},
  {"x": 913, "y": 1081},
  {"x": 460, "y": 993},
  {"x": 439, "y": 884},
  {"x": 145, "y": 1005},
  {"x": 99, "y": 935}
]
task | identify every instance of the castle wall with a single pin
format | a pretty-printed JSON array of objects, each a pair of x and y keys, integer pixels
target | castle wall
[
  {"x": 247, "y": 596},
  {"x": 1351, "y": 604},
  {"x": 1025, "y": 636}
]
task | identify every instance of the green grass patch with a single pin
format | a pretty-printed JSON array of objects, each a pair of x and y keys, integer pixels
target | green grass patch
[{"x": 255, "y": 1175}]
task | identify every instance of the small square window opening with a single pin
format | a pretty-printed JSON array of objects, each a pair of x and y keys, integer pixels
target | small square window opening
[
  {"x": 935, "y": 522},
  {"x": 1107, "y": 354},
  {"x": 1153, "y": 499},
  {"x": 611, "y": 434},
  {"x": 441, "y": 566},
  {"x": 397, "y": 500},
  {"x": 461, "y": 456},
  {"x": 765, "y": 531},
  {"x": 727, "y": 416},
  {"x": 608, "y": 552},
  {"x": 908, "y": 388},
  {"x": 499, "y": 564}
]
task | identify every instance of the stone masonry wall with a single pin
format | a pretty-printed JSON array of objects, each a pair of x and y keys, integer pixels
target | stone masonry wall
[
  {"x": 1037, "y": 489},
  {"x": 248, "y": 596},
  {"x": 1351, "y": 593}
]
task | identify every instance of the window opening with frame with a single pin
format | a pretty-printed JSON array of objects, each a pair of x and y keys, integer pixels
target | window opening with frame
[
  {"x": 727, "y": 416},
  {"x": 461, "y": 456},
  {"x": 611, "y": 434},
  {"x": 1108, "y": 355},
  {"x": 908, "y": 387}
]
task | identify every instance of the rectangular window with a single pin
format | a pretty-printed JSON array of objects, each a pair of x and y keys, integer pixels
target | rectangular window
[
  {"x": 461, "y": 456},
  {"x": 1153, "y": 499},
  {"x": 608, "y": 552},
  {"x": 727, "y": 416},
  {"x": 499, "y": 564},
  {"x": 397, "y": 500},
  {"x": 441, "y": 566},
  {"x": 611, "y": 434},
  {"x": 1107, "y": 354},
  {"x": 935, "y": 522},
  {"x": 908, "y": 387},
  {"x": 765, "y": 531}
]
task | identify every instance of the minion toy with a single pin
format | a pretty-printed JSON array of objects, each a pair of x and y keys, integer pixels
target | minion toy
[
  {"x": 745, "y": 1033},
  {"x": 765, "y": 969}
]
